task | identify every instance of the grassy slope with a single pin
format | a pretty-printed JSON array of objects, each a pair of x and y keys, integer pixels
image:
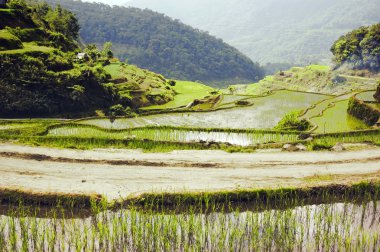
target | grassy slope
[
  {"x": 29, "y": 47},
  {"x": 141, "y": 86},
  {"x": 186, "y": 92}
]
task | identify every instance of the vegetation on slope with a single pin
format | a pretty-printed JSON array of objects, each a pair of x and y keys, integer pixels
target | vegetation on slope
[
  {"x": 41, "y": 74},
  {"x": 359, "y": 49},
  {"x": 291, "y": 121},
  {"x": 153, "y": 41},
  {"x": 138, "y": 87}
]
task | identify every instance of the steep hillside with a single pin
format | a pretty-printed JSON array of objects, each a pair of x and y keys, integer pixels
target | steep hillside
[
  {"x": 161, "y": 44},
  {"x": 41, "y": 74},
  {"x": 277, "y": 31}
]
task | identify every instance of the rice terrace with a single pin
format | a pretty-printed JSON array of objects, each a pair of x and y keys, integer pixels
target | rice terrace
[{"x": 151, "y": 135}]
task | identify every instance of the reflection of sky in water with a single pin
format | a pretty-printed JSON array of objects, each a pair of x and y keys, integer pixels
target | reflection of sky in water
[
  {"x": 265, "y": 113},
  {"x": 304, "y": 226}
]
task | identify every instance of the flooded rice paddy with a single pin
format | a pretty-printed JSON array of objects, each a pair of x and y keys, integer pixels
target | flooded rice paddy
[
  {"x": 242, "y": 139},
  {"x": 336, "y": 119},
  {"x": 325, "y": 227},
  {"x": 265, "y": 113}
]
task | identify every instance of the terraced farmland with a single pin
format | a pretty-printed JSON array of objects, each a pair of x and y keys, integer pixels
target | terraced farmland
[
  {"x": 336, "y": 119},
  {"x": 265, "y": 113}
]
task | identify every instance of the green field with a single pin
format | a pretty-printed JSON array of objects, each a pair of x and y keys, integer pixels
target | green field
[
  {"x": 115, "y": 70},
  {"x": 186, "y": 92},
  {"x": 29, "y": 47},
  {"x": 336, "y": 119},
  {"x": 366, "y": 96}
]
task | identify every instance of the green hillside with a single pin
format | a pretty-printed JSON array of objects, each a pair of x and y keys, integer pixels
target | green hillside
[
  {"x": 153, "y": 41},
  {"x": 41, "y": 74}
]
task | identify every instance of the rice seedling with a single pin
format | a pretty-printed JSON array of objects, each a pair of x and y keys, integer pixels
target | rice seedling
[
  {"x": 172, "y": 134},
  {"x": 205, "y": 224},
  {"x": 325, "y": 141}
]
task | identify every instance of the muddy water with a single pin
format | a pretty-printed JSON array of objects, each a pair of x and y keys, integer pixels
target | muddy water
[{"x": 327, "y": 227}]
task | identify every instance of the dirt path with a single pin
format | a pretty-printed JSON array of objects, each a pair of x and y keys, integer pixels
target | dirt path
[{"x": 120, "y": 173}]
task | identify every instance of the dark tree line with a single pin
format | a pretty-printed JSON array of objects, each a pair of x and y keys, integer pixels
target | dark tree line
[{"x": 161, "y": 44}]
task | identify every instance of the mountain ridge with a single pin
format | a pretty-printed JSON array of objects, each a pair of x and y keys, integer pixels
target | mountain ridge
[
  {"x": 296, "y": 32},
  {"x": 156, "y": 42}
]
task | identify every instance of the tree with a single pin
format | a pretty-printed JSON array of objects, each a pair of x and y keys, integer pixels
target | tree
[
  {"x": 107, "y": 53},
  {"x": 359, "y": 49},
  {"x": 63, "y": 21},
  {"x": 92, "y": 51}
]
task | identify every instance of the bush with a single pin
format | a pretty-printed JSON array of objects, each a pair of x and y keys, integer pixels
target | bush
[
  {"x": 9, "y": 41},
  {"x": 377, "y": 94},
  {"x": 363, "y": 112},
  {"x": 172, "y": 83},
  {"x": 119, "y": 110},
  {"x": 337, "y": 79},
  {"x": 320, "y": 146},
  {"x": 291, "y": 121},
  {"x": 28, "y": 34},
  {"x": 56, "y": 62}
]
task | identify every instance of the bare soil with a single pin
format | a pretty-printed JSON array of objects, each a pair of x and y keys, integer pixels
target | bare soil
[{"x": 122, "y": 173}]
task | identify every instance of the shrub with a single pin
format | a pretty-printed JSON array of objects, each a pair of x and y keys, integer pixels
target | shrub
[
  {"x": 119, "y": 110},
  {"x": 56, "y": 62},
  {"x": 320, "y": 146},
  {"x": 28, "y": 34},
  {"x": 377, "y": 94},
  {"x": 9, "y": 41},
  {"x": 363, "y": 112},
  {"x": 172, "y": 83},
  {"x": 337, "y": 79},
  {"x": 291, "y": 121},
  {"x": 243, "y": 103}
]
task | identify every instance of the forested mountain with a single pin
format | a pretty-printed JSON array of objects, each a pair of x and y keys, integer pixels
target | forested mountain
[
  {"x": 161, "y": 44},
  {"x": 359, "y": 49},
  {"x": 277, "y": 31}
]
